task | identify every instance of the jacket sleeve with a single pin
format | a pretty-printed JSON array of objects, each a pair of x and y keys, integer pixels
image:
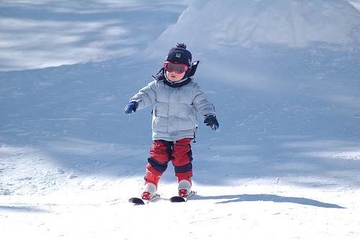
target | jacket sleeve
[
  {"x": 202, "y": 105},
  {"x": 146, "y": 96}
]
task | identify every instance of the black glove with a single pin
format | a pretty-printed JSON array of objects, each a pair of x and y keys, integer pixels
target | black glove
[
  {"x": 212, "y": 122},
  {"x": 131, "y": 107}
]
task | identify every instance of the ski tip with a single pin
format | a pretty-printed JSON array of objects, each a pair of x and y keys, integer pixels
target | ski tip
[
  {"x": 177, "y": 199},
  {"x": 182, "y": 199},
  {"x": 136, "y": 201}
]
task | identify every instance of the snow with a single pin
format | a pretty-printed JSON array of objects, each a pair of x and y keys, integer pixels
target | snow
[
  {"x": 283, "y": 76},
  {"x": 287, "y": 22}
]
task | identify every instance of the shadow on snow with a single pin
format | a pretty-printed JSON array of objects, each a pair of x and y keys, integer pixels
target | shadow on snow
[
  {"x": 267, "y": 198},
  {"x": 22, "y": 209}
]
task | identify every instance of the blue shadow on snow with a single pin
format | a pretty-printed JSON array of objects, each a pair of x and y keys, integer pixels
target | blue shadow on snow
[
  {"x": 267, "y": 198},
  {"x": 22, "y": 209}
]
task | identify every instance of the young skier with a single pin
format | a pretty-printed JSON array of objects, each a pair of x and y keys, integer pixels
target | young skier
[{"x": 176, "y": 100}]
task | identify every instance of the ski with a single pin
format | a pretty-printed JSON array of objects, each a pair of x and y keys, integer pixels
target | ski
[
  {"x": 140, "y": 201},
  {"x": 176, "y": 199}
]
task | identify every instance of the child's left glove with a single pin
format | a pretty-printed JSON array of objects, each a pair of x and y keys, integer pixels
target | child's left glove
[
  {"x": 212, "y": 122},
  {"x": 131, "y": 107}
]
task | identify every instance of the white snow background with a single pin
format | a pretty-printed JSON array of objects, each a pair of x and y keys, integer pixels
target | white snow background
[{"x": 283, "y": 75}]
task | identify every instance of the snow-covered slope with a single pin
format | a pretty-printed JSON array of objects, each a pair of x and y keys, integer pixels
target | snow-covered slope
[
  {"x": 283, "y": 165},
  {"x": 45, "y": 33},
  {"x": 248, "y": 23}
]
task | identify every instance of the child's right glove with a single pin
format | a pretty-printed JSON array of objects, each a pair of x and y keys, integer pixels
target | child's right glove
[
  {"x": 212, "y": 122},
  {"x": 131, "y": 107}
]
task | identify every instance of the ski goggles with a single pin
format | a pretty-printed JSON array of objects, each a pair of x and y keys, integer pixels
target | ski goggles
[{"x": 178, "y": 68}]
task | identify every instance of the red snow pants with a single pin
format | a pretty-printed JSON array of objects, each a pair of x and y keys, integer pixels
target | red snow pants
[{"x": 162, "y": 152}]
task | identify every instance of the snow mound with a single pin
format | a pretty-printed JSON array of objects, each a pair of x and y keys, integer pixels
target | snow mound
[{"x": 294, "y": 23}]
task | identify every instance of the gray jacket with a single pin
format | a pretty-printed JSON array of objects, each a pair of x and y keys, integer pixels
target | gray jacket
[{"x": 175, "y": 110}]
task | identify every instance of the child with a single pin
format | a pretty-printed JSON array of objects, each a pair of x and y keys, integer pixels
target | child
[{"x": 176, "y": 100}]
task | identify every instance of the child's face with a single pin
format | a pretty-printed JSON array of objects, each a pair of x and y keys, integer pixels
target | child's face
[
  {"x": 174, "y": 76},
  {"x": 175, "y": 71}
]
